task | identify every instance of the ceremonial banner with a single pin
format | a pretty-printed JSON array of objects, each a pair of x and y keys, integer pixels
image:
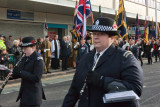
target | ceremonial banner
[
  {"x": 158, "y": 30},
  {"x": 146, "y": 32},
  {"x": 122, "y": 25},
  {"x": 153, "y": 30},
  {"x": 100, "y": 13},
  {"x": 138, "y": 32}
]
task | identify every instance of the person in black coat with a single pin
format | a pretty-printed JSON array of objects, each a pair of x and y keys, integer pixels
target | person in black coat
[
  {"x": 156, "y": 51},
  {"x": 65, "y": 51},
  {"x": 115, "y": 70},
  {"x": 16, "y": 50},
  {"x": 120, "y": 42},
  {"x": 148, "y": 49},
  {"x": 141, "y": 51},
  {"x": 82, "y": 49},
  {"x": 133, "y": 48},
  {"x": 88, "y": 42},
  {"x": 30, "y": 70}
]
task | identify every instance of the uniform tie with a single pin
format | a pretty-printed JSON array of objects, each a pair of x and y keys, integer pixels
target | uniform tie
[
  {"x": 95, "y": 58},
  {"x": 98, "y": 55}
]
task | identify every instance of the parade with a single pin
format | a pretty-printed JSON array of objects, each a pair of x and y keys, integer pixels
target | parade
[{"x": 79, "y": 53}]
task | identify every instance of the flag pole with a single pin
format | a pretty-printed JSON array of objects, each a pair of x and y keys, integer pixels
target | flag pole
[{"x": 156, "y": 15}]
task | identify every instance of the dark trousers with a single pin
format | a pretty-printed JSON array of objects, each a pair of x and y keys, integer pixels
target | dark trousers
[
  {"x": 64, "y": 62},
  {"x": 55, "y": 63},
  {"x": 21, "y": 105},
  {"x": 3, "y": 74},
  {"x": 140, "y": 58},
  {"x": 156, "y": 53},
  {"x": 149, "y": 58}
]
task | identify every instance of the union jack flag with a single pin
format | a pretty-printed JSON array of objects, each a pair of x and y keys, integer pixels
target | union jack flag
[{"x": 84, "y": 11}]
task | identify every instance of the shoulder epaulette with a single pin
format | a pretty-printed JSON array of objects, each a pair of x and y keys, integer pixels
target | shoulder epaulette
[
  {"x": 39, "y": 58},
  {"x": 127, "y": 53}
]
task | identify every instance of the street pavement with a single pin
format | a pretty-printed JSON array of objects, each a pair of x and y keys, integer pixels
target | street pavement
[{"x": 56, "y": 87}]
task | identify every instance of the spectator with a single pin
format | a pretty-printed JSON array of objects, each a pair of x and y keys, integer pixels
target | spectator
[
  {"x": 55, "y": 49},
  {"x": 46, "y": 53},
  {"x": 16, "y": 50},
  {"x": 65, "y": 51},
  {"x": 4, "y": 60},
  {"x": 9, "y": 43},
  {"x": 2, "y": 45},
  {"x": 82, "y": 49}
]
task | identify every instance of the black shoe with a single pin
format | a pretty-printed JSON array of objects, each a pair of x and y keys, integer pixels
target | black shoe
[
  {"x": 63, "y": 69},
  {"x": 45, "y": 73},
  {"x": 142, "y": 64},
  {"x": 48, "y": 72}
]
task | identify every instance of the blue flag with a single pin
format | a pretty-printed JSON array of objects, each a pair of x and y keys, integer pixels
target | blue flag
[
  {"x": 122, "y": 25},
  {"x": 153, "y": 30},
  {"x": 138, "y": 32}
]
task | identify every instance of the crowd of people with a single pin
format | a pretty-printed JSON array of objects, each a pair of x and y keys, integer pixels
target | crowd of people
[
  {"x": 102, "y": 66},
  {"x": 141, "y": 49},
  {"x": 10, "y": 52},
  {"x": 53, "y": 50}
]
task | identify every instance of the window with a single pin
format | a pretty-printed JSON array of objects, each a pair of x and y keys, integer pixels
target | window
[
  {"x": 142, "y": 2},
  {"x": 158, "y": 5},
  {"x": 139, "y": 1},
  {"x": 151, "y": 3}
]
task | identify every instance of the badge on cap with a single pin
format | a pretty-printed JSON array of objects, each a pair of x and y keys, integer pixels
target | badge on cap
[
  {"x": 114, "y": 27},
  {"x": 97, "y": 22}
]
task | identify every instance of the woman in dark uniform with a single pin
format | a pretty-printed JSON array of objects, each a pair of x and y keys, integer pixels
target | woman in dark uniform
[{"x": 30, "y": 70}]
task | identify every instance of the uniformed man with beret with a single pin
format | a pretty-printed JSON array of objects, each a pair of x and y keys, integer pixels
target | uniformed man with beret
[
  {"x": 46, "y": 53},
  {"x": 30, "y": 70},
  {"x": 115, "y": 70}
]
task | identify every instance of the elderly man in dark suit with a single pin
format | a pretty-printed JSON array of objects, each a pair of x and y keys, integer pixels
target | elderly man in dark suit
[
  {"x": 30, "y": 70},
  {"x": 65, "y": 51},
  {"x": 114, "y": 67},
  {"x": 133, "y": 48},
  {"x": 120, "y": 42}
]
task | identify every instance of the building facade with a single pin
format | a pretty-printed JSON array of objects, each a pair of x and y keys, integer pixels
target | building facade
[{"x": 21, "y": 18}]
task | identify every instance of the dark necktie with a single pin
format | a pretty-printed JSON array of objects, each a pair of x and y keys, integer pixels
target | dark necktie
[{"x": 98, "y": 55}]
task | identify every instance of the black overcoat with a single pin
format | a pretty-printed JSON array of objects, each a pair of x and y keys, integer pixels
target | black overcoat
[
  {"x": 31, "y": 90},
  {"x": 114, "y": 65}
]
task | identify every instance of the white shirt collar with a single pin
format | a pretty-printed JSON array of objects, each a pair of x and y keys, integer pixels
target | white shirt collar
[{"x": 101, "y": 53}]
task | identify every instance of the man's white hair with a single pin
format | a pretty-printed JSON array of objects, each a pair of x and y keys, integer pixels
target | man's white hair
[{"x": 15, "y": 42}]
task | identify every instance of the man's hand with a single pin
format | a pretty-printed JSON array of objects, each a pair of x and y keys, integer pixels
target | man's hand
[
  {"x": 53, "y": 53},
  {"x": 95, "y": 79}
]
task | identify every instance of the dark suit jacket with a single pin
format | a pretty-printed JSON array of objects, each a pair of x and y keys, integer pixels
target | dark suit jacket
[
  {"x": 81, "y": 51},
  {"x": 135, "y": 50},
  {"x": 31, "y": 91},
  {"x": 120, "y": 44},
  {"x": 88, "y": 45},
  {"x": 65, "y": 50},
  {"x": 113, "y": 65}
]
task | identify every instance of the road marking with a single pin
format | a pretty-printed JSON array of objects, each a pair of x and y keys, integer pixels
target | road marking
[
  {"x": 150, "y": 98},
  {"x": 45, "y": 81}
]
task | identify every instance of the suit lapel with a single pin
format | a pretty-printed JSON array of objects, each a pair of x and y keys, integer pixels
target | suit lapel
[{"x": 106, "y": 55}]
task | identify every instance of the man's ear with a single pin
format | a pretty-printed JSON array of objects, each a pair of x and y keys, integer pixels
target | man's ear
[{"x": 113, "y": 37}]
